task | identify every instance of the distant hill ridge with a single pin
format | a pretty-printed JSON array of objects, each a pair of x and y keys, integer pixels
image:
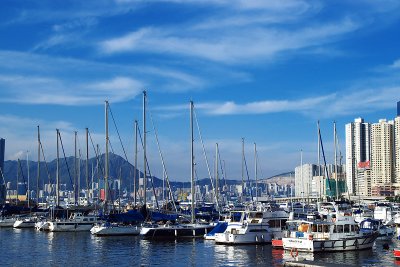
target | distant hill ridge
[{"x": 67, "y": 170}]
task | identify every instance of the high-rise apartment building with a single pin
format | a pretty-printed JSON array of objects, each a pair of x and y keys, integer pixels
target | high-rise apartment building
[
  {"x": 382, "y": 156},
  {"x": 397, "y": 148},
  {"x": 303, "y": 176},
  {"x": 358, "y": 149}
]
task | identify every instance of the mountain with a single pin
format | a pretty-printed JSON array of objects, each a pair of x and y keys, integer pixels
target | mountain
[{"x": 67, "y": 172}]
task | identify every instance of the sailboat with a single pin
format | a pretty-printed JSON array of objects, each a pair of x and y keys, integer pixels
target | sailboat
[
  {"x": 177, "y": 230},
  {"x": 121, "y": 223}
]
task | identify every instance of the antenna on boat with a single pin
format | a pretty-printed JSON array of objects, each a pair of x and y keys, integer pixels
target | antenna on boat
[{"x": 58, "y": 171}]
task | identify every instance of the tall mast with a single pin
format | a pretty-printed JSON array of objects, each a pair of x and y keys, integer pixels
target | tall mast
[
  {"x": 87, "y": 161},
  {"x": 319, "y": 164},
  {"x": 79, "y": 174},
  {"x": 336, "y": 170},
  {"x": 144, "y": 150},
  {"x": 58, "y": 171},
  {"x": 136, "y": 160},
  {"x": 242, "y": 168},
  {"x": 76, "y": 193},
  {"x": 301, "y": 173},
  {"x": 38, "y": 168},
  {"x": 106, "y": 159},
  {"x": 27, "y": 167},
  {"x": 255, "y": 169},
  {"x": 192, "y": 160},
  {"x": 216, "y": 173},
  {"x": 18, "y": 170}
]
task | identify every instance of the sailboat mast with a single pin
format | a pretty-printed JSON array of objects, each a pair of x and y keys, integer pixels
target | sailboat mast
[
  {"x": 336, "y": 169},
  {"x": 75, "y": 172},
  {"x": 242, "y": 168},
  {"x": 255, "y": 169},
  {"x": 106, "y": 158},
  {"x": 216, "y": 173},
  {"x": 58, "y": 171},
  {"x": 319, "y": 164},
  {"x": 38, "y": 168},
  {"x": 27, "y": 167},
  {"x": 192, "y": 160},
  {"x": 301, "y": 174},
  {"x": 87, "y": 162},
  {"x": 135, "y": 171},
  {"x": 144, "y": 150}
]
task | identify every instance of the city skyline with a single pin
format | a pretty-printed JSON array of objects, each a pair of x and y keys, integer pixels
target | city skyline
[{"x": 263, "y": 71}]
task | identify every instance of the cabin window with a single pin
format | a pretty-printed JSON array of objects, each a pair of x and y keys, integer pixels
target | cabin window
[
  {"x": 85, "y": 220},
  {"x": 356, "y": 228},
  {"x": 233, "y": 231},
  {"x": 346, "y": 228},
  {"x": 259, "y": 215},
  {"x": 326, "y": 228},
  {"x": 314, "y": 228},
  {"x": 320, "y": 228},
  {"x": 339, "y": 228}
]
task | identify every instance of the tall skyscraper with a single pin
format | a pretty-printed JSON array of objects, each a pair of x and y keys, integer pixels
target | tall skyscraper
[
  {"x": 382, "y": 160},
  {"x": 358, "y": 149},
  {"x": 397, "y": 149}
]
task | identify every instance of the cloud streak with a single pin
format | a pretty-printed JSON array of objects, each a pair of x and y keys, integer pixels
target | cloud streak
[
  {"x": 227, "y": 47},
  {"x": 64, "y": 81},
  {"x": 328, "y": 106}
]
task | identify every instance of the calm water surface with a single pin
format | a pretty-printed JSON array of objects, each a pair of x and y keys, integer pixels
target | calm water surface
[{"x": 27, "y": 247}]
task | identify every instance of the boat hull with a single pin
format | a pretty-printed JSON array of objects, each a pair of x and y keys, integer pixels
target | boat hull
[
  {"x": 179, "y": 231},
  {"x": 306, "y": 245},
  {"x": 114, "y": 230},
  {"x": 70, "y": 227},
  {"x": 241, "y": 239},
  {"x": 24, "y": 224},
  {"x": 7, "y": 222}
]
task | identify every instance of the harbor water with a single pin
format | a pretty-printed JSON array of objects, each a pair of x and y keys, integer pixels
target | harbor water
[{"x": 28, "y": 247}]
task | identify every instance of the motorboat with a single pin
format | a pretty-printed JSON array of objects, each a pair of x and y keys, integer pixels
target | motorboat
[
  {"x": 76, "y": 223},
  {"x": 253, "y": 228},
  {"x": 335, "y": 233},
  {"x": 114, "y": 229}
]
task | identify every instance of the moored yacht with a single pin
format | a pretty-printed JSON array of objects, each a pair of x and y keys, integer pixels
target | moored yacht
[
  {"x": 253, "y": 228},
  {"x": 7, "y": 221},
  {"x": 339, "y": 233},
  {"x": 25, "y": 222},
  {"x": 76, "y": 223},
  {"x": 114, "y": 229}
]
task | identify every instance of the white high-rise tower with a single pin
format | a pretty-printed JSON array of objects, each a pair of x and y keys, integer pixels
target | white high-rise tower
[
  {"x": 382, "y": 161},
  {"x": 358, "y": 149}
]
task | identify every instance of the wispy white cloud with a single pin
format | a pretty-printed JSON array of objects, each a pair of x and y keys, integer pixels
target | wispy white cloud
[
  {"x": 228, "y": 47},
  {"x": 57, "y": 92},
  {"x": 329, "y": 106},
  {"x": 65, "y": 81}
]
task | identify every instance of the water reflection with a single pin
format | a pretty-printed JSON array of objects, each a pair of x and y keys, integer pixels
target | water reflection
[{"x": 24, "y": 247}]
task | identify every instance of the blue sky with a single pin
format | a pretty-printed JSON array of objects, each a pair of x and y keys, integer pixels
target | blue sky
[{"x": 262, "y": 70}]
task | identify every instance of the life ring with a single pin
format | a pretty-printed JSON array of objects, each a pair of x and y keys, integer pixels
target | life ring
[{"x": 295, "y": 252}]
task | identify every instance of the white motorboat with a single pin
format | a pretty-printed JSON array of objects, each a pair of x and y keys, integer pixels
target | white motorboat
[
  {"x": 339, "y": 233},
  {"x": 113, "y": 229},
  {"x": 253, "y": 228},
  {"x": 25, "y": 222},
  {"x": 76, "y": 223},
  {"x": 7, "y": 221}
]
